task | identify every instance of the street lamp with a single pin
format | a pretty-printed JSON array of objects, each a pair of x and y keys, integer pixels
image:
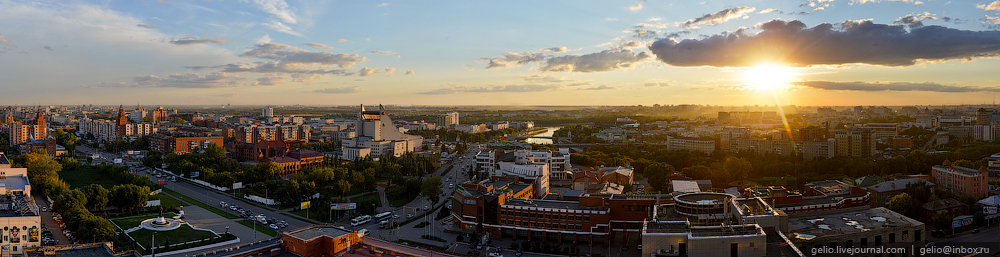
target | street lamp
[{"x": 152, "y": 244}]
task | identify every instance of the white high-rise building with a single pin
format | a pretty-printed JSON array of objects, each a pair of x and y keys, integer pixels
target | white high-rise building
[{"x": 267, "y": 112}]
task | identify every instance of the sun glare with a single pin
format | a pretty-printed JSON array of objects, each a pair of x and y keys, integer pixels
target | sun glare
[{"x": 768, "y": 77}]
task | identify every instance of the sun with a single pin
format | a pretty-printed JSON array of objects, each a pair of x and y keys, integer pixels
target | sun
[{"x": 768, "y": 77}]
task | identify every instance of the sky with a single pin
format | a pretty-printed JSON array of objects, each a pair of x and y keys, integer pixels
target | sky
[{"x": 636, "y": 52}]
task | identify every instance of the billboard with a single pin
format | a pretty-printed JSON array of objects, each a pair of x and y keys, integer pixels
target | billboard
[
  {"x": 343, "y": 206},
  {"x": 304, "y": 205},
  {"x": 961, "y": 221},
  {"x": 237, "y": 185},
  {"x": 989, "y": 209},
  {"x": 194, "y": 174}
]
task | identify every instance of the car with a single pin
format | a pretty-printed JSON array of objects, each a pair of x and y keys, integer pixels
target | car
[
  {"x": 975, "y": 231},
  {"x": 426, "y": 208},
  {"x": 479, "y": 247},
  {"x": 409, "y": 215},
  {"x": 396, "y": 216},
  {"x": 44, "y": 209},
  {"x": 624, "y": 247},
  {"x": 518, "y": 253},
  {"x": 638, "y": 247},
  {"x": 272, "y": 226},
  {"x": 929, "y": 244}
]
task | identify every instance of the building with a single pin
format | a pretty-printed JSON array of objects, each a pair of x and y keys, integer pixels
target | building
[
  {"x": 267, "y": 112},
  {"x": 716, "y": 224},
  {"x": 120, "y": 128},
  {"x": 902, "y": 142},
  {"x": 376, "y": 135},
  {"x": 447, "y": 119},
  {"x": 559, "y": 162},
  {"x": 855, "y": 142},
  {"x": 181, "y": 143},
  {"x": 820, "y": 148},
  {"x": 21, "y": 132},
  {"x": 883, "y": 130},
  {"x": 950, "y": 206},
  {"x": 692, "y": 144},
  {"x": 741, "y": 118},
  {"x": 961, "y": 180},
  {"x": 48, "y": 144},
  {"x": 859, "y": 227},
  {"x": 883, "y": 192},
  {"x": 20, "y": 218},
  {"x": 319, "y": 240},
  {"x": 253, "y": 134}
]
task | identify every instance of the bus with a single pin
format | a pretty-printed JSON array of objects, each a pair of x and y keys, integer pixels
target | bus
[
  {"x": 383, "y": 216},
  {"x": 361, "y": 220}
]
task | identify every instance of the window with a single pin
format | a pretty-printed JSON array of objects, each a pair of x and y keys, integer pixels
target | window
[
  {"x": 916, "y": 235},
  {"x": 586, "y": 218}
]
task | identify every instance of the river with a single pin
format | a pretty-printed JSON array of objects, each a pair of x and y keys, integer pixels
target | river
[{"x": 543, "y": 140}]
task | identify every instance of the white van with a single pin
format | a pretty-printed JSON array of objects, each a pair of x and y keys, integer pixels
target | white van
[{"x": 362, "y": 232}]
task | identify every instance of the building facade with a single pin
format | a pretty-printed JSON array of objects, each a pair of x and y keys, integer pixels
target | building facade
[
  {"x": 377, "y": 135},
  {"x": 181, "y": 144},
  {"x": 961, "y": 180},
  {"x": 447, "y": 119}
]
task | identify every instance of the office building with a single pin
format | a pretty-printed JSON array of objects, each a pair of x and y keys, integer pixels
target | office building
[{"x": 377, "y": 135}]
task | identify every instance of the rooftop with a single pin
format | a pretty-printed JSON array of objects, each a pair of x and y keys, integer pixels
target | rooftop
[
  {"x": 818, "y": 226},
  {"x": 571, "y": 205},
  {"x": 898, "y": 184},
  {"x": 958, "y": 169},
  {"x": 316, "y": 231}
]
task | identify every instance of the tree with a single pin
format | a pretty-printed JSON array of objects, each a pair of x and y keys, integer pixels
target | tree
[
  {"x": 97, "y": 197},
  {"x": 736, "y": 168},
  {"x": 942, "y": 220},
  {"x": 70, "y": 163},
  {"x": 214, "y": 151},
  {"x": 130, "y": 198},
  {"x": 147, "y": 119},
  {"x": 42, "y": 171},
  {"x": 96, "y": 229},
  {"x": 69, "y": 199},
  {"x": 431, "y": 188},
  {"x": 658, "y": 173},
  {"x": 344, "y": 187},
  {"x": 904, "y": 204},
  {"x": 177, "y": 120}
]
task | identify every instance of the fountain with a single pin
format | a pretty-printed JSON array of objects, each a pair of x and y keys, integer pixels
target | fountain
[{"x": 160, "y": 223}]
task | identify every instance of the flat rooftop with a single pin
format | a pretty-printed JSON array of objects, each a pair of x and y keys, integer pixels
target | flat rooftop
[
  {"x": 818, "y": 226},
  {"x": 571, "y": 205},
  {"x": 313, "y": 232},
  {"x": 958, "y": 169},
  {"x": 702, "y": 231},
  {"x": 15, "y": 182}
]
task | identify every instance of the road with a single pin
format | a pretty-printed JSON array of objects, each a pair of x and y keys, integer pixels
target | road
[{"x": 988, "y": 237}]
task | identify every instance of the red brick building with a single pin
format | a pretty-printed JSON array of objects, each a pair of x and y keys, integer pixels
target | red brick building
[
  {"x": 319, "y": 240},
  {"x": 288, "y": 165},
  {"x": 950, "y": 206},
  {"x": 22, "y": 131},
  {"x": 961, "y": 180}
]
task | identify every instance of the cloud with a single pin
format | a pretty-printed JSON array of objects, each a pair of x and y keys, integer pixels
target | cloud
[
  {"x": 512, "y": 59},
  {"x": 915, "y": 21},
  {"x": 319, "y": 46},
  {"x": 601, "y": 87},
  {"x": 223, "y": 95},
  {"x": 278, "y": 8},
  {"x": 383, "y": 52},
  {"x": 340, "y": 90},
  {"x": 636, "y": 7},
  {"x": 611, "y": 19},
  {"x": 148, "y": 26},
  {"x": 656, "y": 84},
  {"x": 305, "y": 77},
  {"x": 770, "y": 10},
  {"x": 792, "y": 43},
  {"x": 642, "y": 33},
  {"x": 544, "y": 79},
  {"x": 195, "y": 68},
  {"x": 49, "y": 47},
  {"x": 368, "y": 72},
  {"x": 560, "y": 49},
  {"x": 718, "y": 17},
  {"x": 382, "y": 5},
  {"x": 269, "y": 80},
  {"x": 891, "y": 86},
  {"x": 287, "y": 54},
  {"x": 452, "y": 89},
  {"x": 409, "y": 72},
  {"x": 607, "y": 60},
  {"x": 192, "y": 40},
  {"x": 995, "y": 5},
  {"x": 341, "y": 40},
  {"x": 915, "y": 2},
  {"x": 281, "y": 27},
  {"x": 654, "y": 19},
  {"x": 189, "y": 80},
  {"x": 262, "y": 40},
  {"x": 6, "y": 44},
  {"x": 993, "y": 20}
]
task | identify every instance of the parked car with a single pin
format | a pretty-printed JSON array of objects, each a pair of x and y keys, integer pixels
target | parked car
[{"x": 272, "y": 226}]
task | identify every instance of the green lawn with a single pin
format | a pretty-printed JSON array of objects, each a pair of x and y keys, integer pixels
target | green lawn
[
  {"x": 167, "y": 201},
  {"x": 201, "y": 204},
  {"x": 133, "y": 221},
  {"x": 84, "y": 176},
  {"x": 260, "y": 228},
  {"x": 182, "y": 234},
  {"x": 372, "y": 196}
]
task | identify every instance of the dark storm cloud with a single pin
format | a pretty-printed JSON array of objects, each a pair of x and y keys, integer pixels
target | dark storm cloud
[{"x": 792, "y": 43}]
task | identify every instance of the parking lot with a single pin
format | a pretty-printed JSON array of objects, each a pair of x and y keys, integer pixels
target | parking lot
[
  {"x": 48, "y": 223},
  {"x": 258, "y": 218}
]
